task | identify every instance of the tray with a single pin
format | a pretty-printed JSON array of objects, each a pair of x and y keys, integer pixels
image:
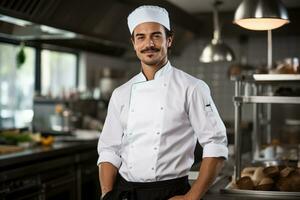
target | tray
[{"x": 255, "y": 193}]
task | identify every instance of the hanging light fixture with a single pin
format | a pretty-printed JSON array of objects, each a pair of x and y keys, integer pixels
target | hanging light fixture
[
  {"x": 261, "y": 14},
  {"x": 216, "y": 51}
]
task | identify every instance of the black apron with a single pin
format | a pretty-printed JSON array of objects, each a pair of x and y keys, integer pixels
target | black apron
[{"x": 160, "y": 190}]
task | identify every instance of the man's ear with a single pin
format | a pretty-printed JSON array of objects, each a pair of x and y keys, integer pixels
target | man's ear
[{"x": 169, "y": 41}]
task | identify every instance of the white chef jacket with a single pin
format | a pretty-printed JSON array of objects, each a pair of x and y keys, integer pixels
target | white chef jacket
[{"x": 152, "y": 127}]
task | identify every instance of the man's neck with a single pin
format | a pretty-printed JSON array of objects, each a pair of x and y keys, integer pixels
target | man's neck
[{"x": 150, "y": 70}]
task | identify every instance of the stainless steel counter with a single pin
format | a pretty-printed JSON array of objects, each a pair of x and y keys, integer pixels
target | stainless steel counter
[
  {"x": 37, "y": 153},
  {"x": 66, "y": 170}
]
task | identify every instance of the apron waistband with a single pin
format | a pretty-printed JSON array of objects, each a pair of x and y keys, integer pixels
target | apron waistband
[
  {"x": 126, "y": 190},
  {"x": 155, "y": 184}
]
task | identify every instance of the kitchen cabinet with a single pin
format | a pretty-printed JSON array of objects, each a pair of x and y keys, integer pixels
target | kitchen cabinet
[
  {"x": 65, "y": 172},
  {"x": 24, "y": 188},
  {"x": 59, "y": 184}
]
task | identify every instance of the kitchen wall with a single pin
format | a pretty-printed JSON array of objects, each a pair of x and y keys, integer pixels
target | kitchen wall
[
  {"x": 215, "y": 75},
  {"x": 95, "y": 64}
]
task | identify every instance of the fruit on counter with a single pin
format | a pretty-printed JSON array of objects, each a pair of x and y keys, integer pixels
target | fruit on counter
[
  {"x": 59, "y": 108},
  {"x": 25, "y": 139},
  {"x": 47, "y": 140}
]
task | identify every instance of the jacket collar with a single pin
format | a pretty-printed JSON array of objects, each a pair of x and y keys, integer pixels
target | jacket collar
[{"x": 160, "y": 73}]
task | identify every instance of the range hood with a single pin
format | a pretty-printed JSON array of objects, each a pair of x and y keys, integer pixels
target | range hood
[
  {"x": 18, "y": 29},
  {"x": 93, "y": 25}
]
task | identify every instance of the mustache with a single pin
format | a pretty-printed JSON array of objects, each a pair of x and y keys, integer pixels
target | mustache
[{"x": 149, "y": 49}]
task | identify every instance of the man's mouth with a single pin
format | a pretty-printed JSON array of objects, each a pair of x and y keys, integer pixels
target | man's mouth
[{"x": 150, "y": 50}]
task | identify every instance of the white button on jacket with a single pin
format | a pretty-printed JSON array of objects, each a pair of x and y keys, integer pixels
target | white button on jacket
[{"x": 152, "y": 127}]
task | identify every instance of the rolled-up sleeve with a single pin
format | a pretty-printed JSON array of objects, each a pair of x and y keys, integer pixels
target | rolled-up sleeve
[
  {"x": 206, "y": 122},
  {"x": 111, "y": 136}
]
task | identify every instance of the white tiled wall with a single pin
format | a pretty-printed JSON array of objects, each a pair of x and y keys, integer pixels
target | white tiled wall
[{"x": 215, "y": 75}]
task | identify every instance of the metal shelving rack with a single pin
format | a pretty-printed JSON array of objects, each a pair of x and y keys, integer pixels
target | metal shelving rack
[{"x": 248, "y": 90}]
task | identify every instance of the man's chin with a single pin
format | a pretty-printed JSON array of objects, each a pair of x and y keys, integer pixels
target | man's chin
[{"x": 151, "y": 62}]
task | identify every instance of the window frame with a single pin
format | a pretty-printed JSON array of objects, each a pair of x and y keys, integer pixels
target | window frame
[{"x": 38, "y": 47}]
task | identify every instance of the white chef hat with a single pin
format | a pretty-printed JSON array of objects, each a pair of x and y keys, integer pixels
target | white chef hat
[{"x": 148, "y": 14}]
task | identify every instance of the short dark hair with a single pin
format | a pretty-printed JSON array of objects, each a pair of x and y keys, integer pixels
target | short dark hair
[{"x": 169, "y": 33}]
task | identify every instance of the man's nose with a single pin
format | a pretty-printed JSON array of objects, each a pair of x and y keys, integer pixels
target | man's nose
[{"x": 150, "y": 43}]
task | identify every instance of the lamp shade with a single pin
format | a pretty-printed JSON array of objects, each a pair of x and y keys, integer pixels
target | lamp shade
[
  {"x": 261, "y": 14},
  {"x": 216, "y": 52}
]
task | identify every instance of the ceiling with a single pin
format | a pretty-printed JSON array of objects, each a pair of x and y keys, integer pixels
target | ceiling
[
  {"x": 96, "y": 25},
  {"x": 100, "y": 26},
  {"x": 204, "y": 6},
  {"x": 202, "y": 10}
]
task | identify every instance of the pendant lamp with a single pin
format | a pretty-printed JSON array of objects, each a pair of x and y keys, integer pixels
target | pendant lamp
[
  {"x": 261, "y": 14},
  {"x": 216, "y": 51}
]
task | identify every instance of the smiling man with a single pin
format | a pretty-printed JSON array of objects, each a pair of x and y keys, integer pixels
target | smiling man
[{"x": 153, "y": 122}]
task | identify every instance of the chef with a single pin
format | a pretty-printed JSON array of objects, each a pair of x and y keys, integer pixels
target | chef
[{"x": 154, "y": 120}]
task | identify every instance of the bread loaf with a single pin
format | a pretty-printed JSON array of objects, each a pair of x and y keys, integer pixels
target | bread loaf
[
  {"x": 258, "y": 175},
  {"x": 245, "y": 183},
  {"x": 286, "y": 171},
  {"x": 265, "y": 184},
  {"x": 271, "y": 171}
]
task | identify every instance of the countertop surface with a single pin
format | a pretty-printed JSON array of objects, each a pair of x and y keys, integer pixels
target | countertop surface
[{"x": 60, "y": 148}]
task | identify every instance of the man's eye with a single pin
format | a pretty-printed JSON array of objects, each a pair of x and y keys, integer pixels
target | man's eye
[{"x": 140, "y": 38}]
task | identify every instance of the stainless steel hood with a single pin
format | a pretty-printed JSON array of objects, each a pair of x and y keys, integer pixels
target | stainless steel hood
[
  {"x": 24, "y": 30},
  {"x": 93, "y": 25}
]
